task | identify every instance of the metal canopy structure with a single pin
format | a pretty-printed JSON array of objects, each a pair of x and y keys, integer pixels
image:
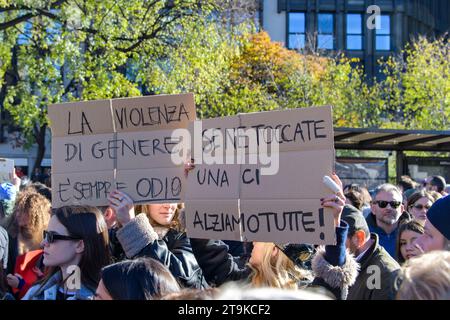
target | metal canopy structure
[
  {"x": 388, "y": 139},
  {"x": 392, "y": 140}
]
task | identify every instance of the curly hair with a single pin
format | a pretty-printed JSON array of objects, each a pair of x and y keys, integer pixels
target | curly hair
[{"x": 38, "y": 209}]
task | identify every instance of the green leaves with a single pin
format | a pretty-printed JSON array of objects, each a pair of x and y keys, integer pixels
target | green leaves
[{"x": 69, "y": 50}]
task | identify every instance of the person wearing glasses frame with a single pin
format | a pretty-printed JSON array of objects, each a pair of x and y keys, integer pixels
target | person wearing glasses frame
[
  {"x": 387, "y": 210},
  {"x": 419, "y": 203},
  {"x": 75, "y": 248}
]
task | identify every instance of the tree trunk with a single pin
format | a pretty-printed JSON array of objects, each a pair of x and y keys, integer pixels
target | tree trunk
[{"x": 40, "y": 141}]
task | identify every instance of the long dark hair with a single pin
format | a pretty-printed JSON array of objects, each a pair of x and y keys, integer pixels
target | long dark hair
[
  {"x": 139, "y": 279},
  {"x": 412, "y": 225},
  {"x": 416, "y": 196},
  {"x": 87, "y": 223}
]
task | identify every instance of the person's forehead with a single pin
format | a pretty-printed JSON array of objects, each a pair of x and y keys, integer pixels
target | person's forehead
[
  {"x": 423, "y": 200},
  {"x": 388, "y": 195},
  {"x": 56, "y": 226},
  {"x": 409, "y": 234}
]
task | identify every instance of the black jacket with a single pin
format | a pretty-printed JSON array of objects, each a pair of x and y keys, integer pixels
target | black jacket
[
  {"x": 138, "y": 239},
  {"x": 219, "y": 266}
]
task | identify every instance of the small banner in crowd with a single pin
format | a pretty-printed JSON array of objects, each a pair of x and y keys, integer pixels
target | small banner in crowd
[
  {"x": 259, "y": 177},
  {"x": 6, "y": 169},
  {"x": 124, "y": 144}
]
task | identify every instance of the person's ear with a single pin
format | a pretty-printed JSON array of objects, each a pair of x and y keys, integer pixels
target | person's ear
[
  {"x": 109, "y": 212},
  {"x": 372, "y": 207},
  {"x": 359, "y": 237},
  {"x": 79, "y": 248},
  {"x": 275, "y": 251}
]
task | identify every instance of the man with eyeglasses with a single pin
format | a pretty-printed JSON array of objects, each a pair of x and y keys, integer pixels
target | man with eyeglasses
[{"x": 387, "y": 209}]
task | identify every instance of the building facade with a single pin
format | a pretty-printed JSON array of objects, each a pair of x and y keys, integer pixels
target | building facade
[{"x": 364, "y": 29}]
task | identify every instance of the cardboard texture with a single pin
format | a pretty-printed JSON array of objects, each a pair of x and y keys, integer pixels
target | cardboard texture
[
  {"x": 131, "y": 146},
  {"x": 218, "y": 219},
  {"x": 306, "y": 154},
  {"x": 162, "y": 185},
  {"x": 282, "y": 221},
  {"x": 81, "y": 154},
  {"x": 299, "y": 177},
  {"x": 87, "y": 188},
  {"x": 213, "y": 138},
  {"x": 146, "y": 149},
  {"x": 213, "y": 182},
  {"x": 81, "y": 118},
  {"x": 300, "y": 129},
  {"x": 6, "y": 169},
  {"x": 159, "y": 112}
]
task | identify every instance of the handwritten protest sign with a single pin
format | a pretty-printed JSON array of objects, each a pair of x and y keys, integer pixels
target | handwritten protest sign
[
  {"x": 124, "y": 144},
  {"x": 240, "y": 202},
  {"x": 6, "y": 169}
]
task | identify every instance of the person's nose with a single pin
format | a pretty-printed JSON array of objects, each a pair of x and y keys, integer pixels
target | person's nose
[
  {"x": 44, "y": 243},
  {"x": 409, "y": 247}
]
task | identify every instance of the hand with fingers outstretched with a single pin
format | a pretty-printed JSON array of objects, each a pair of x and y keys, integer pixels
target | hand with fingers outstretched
[
  {"x": 335, "y": 201},
  {"x": 123, "y": 206}
]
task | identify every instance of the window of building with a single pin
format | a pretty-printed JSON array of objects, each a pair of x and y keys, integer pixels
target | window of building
[
  {"x": 325, "y": 37},
  {"x": 297, "y": 30},
  {"x": 383, "y": 33},
  {"x": 354, "y": 32}
]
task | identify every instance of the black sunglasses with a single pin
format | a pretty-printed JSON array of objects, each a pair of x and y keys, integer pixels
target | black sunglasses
[
  {"x": 383, "y": 204},
  {"x": 51, "y": 237},
  {"x": 421, "y": 206}
]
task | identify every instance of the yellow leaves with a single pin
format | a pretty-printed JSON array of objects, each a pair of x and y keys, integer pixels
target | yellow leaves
[{"x": 263, "y": 61}]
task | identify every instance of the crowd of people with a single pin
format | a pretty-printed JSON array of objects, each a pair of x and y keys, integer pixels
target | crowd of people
[{"x": 391, "y": 243}]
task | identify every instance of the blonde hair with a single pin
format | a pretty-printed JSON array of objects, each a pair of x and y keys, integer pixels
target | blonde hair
[
  {"x": 277, "y": 271},
  {"x": 426, "y": 277},
  {"x": 174, "y": 224},
  {"x": 38, "y": 209}
]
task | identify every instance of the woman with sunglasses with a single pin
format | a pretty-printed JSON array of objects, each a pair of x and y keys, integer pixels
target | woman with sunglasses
[
  {"x": 419, "y": 203},
  {"x": 75, "y": 249}
]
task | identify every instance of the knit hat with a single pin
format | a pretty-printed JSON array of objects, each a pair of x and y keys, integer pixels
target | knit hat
[
  {"x": 4, "y": 247},
  {"x": 439, "y": 216},
  {"x": 355, "y": 220},
  {"x": 300, "y": 254}
]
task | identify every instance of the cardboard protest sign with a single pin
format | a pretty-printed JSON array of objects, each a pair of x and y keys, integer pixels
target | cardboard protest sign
[
  {"x": 282, "y": 221},
  {"x": 6, "y": 169},
  {"x": 162, "y": 185},
  {"x": 81, "y": 118},
  {"x": 160, "y": 112},
  {"x": 214, "y": 182},
  {"x": 299, "y": 177},
  {"x": 127, "y": 144},
  {"x": 96, "y": 152},
  {"x": 146, "y": 149},
  {"x": 213, "y": 219},
  {"x": 283, "y": 206},
  {"x": 82, "y": 188}
]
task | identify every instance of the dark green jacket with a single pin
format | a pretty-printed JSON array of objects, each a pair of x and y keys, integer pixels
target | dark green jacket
[{"x": 377, "y": 275}]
